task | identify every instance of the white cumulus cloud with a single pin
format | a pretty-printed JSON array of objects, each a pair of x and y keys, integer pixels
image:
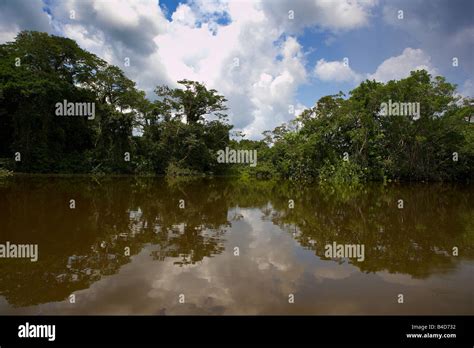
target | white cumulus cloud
[
  {"x": 325, "y": 14},
  {"x": 399, "y": 67},
  {"x": 335, "y": 71},
  {"x": 247, "y": 50}
]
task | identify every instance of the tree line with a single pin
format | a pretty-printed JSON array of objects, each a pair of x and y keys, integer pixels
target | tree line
[{"x": 342, "y": 138}]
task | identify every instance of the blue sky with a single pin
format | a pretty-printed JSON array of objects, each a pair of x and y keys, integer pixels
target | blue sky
[{"x": 262, "y": 60}]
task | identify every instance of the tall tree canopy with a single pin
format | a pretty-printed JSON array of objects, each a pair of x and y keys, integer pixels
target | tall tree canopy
[
  {"x": 36, "y": 72},
  {"x": 192, "y": 102}
]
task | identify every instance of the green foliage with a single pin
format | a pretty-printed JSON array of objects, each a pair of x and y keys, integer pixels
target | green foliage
[
  {"x": 174, "y": 170},
  {"x": 182, "y": 130},
  {"x": 38, "y": 71},
  {"x": 385, "y": 147},
  {"x": 342, "y": 172},
  {"x": 193, "y": 145}
]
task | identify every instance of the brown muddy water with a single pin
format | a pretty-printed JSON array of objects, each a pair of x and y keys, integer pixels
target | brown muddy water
[{"x": 227, "y": 246}]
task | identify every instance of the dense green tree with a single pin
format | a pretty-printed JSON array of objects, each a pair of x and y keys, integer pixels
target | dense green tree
[
  {"x": 176, "y": 147},
  {"x": 350, "y": 137},
  {"x": 191, "y": 103},
  {"x": 38, "y": 71}
]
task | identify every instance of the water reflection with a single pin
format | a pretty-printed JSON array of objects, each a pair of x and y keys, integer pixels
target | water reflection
[{"x": 131, "y": 246}]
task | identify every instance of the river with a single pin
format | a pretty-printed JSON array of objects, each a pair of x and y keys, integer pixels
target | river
[{"x": 125, "y": 245}]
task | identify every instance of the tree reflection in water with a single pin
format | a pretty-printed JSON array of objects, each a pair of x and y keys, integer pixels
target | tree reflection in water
[{"x": 80, "y": 246}]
